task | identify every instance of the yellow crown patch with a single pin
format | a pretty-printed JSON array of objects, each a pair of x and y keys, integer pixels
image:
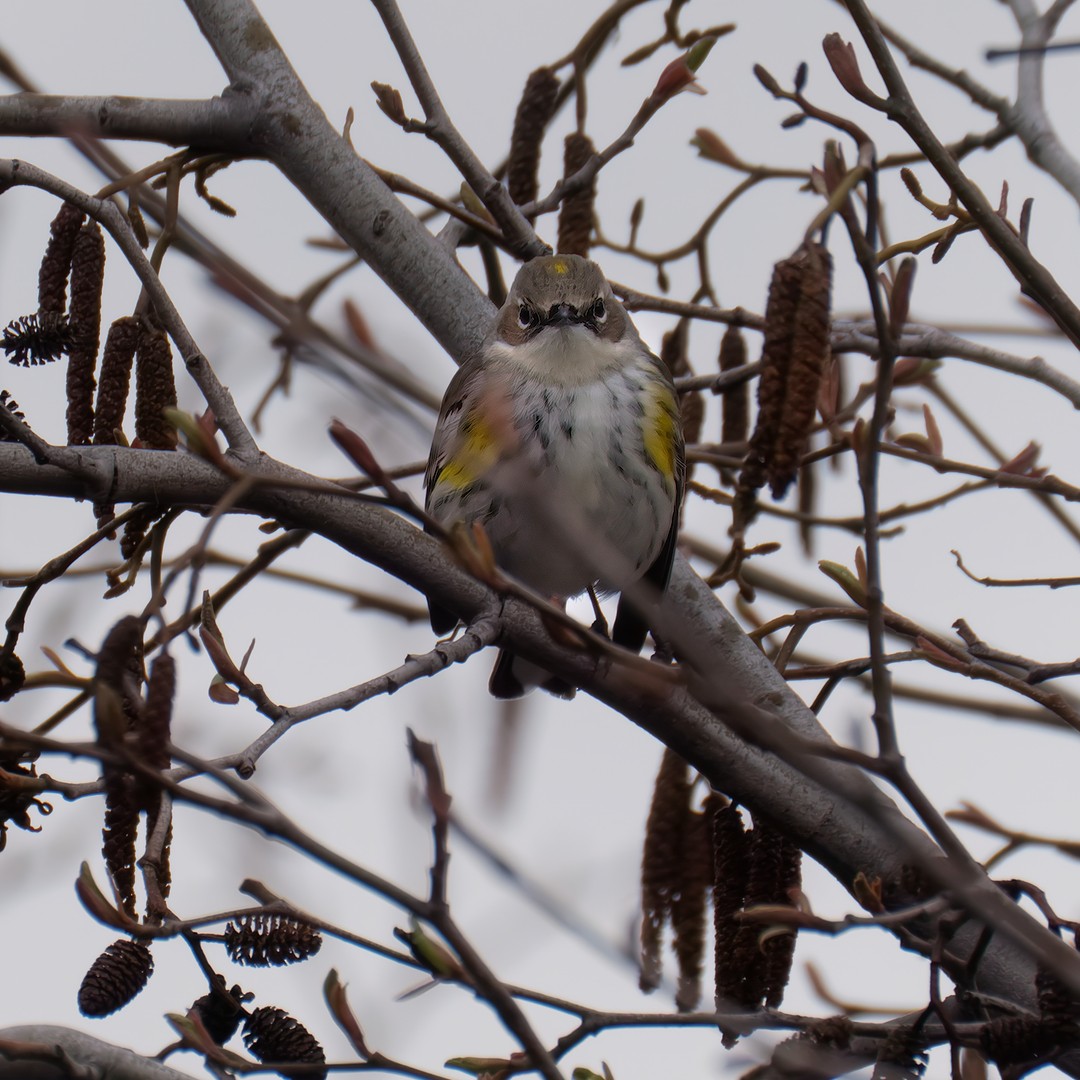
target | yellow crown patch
[{"x": 560, "y": 267}]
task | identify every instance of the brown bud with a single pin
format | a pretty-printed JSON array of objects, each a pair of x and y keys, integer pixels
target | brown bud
[
  {"x": 845, "y": 66},
  {"x": 710, "y": 146},
  {"x": 534, "y": 112},
  {"x": 576, "y": 213},
  {"x": 389, "y": 101},
  {"x": 87, "y": 281},
  {"x": 115, "y": 977},
  {"x": 56, "y": 262}
]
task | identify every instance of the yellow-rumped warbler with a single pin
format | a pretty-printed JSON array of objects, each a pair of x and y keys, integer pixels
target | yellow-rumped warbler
[{"x": 561, "y": 436}]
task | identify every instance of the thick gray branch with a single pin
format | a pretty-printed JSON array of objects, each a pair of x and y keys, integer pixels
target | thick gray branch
[
  {"x": 115, "y": 1062},
  {"x": 295, "y": 134},
  {"x": 1028, "y": 116},
  {"x": 217, "y": 124}
]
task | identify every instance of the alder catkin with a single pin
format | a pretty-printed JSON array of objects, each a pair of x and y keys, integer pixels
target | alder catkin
[
  {"x": 661, "y": 860},
  {"x": 735, "y": 406},
  {"x": 84, "y": 314},
  {"x": 56, "y": 262},
  {"x": 731, "y": 864},
  {"x": 689, "y": 909},
  {"x": 534, "y": 112},
  {"x": 155, "y": 389},
  {"x": 576, "y": 212},
  {"x": 794, "y": 356}
]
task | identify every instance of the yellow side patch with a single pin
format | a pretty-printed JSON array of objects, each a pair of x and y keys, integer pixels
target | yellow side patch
[
  {"x": 660, "y": 431},
  {"x": 476, "y": 452}
]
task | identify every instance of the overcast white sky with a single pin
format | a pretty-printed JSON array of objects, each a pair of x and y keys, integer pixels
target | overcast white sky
[{"x": 583, "y": 775}]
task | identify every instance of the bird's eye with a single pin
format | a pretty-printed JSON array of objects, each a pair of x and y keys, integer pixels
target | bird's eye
[
  {"x": 598, "y": 312},
  {"x": 526, "y": 316}
]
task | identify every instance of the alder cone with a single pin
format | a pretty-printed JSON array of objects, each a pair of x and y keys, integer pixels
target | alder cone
[
  {"x": 272, "y": 1035},
  {"x": 270, "y": 940},
  {"x": 115, "y": 977}
]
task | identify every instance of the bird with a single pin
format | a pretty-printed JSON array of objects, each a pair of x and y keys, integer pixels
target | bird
[{"x": 561, "y": 436}]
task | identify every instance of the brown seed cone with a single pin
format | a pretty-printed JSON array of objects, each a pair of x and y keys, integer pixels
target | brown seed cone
[
  {"x": 688, "y": 910},
  {"x": 220, "y": 1012},
  {"x": 87, "y": 280},
  {"x": 56, "y": 262},
  {"x": 576, "y": 212},
  {"x": 534, "y": 112},
  {"x": 37, "y": 339},
  {"x": 270, "y": 1034},
  {"x": 794, "y": 356},
  {"x": 12, "y": 406},
  {"x": 15, "y": 802},
  {"x": 735, "y": 408},
  {"x": 155, "y": 390},
  {"x": 115, "y": 977},
  {"x": 731, "y": 868},
  {"x": 270, "y": 940},
  {"x": 12, "y": 676},
  {"x": 661, "y": 861}
]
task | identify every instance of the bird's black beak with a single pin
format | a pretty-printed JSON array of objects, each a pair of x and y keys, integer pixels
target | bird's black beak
[{"x": 563, "y": 315}]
